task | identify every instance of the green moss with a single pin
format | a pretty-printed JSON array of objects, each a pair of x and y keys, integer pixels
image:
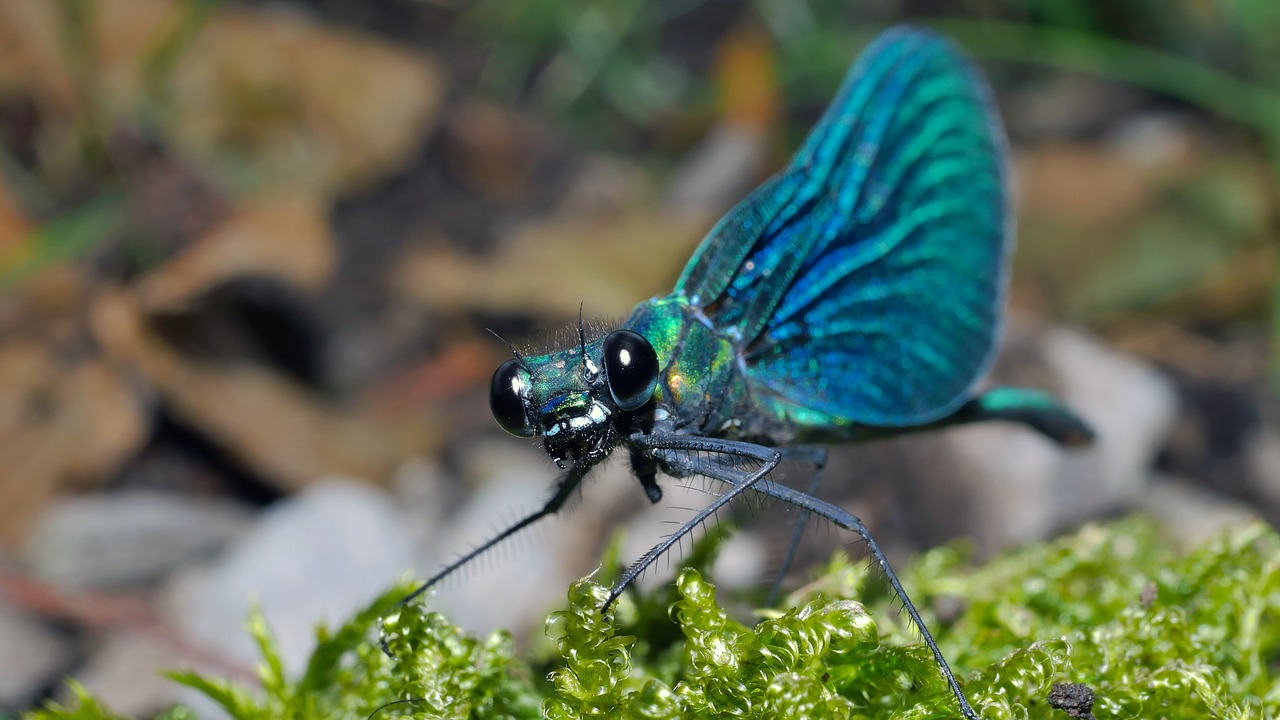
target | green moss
[{"x": 1154, "y": 632}]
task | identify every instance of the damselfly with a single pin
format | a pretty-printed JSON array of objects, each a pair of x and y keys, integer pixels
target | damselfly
[{"x": 855, "y": 295}]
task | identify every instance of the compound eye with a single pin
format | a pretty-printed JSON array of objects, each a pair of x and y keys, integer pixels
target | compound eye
[
  {"x": 631, "y": 367},
  {"x": 507, "y": 395}
]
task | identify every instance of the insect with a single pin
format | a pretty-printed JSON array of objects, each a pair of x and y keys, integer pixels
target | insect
[{"x": 855, "y": 295}]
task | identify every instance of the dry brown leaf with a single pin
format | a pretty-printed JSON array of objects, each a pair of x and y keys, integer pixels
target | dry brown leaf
[
  {"x": 1080, "y": 185},
  {"x": 33, "y": 61},
  {"x": 284, "y": 236},
  {"x": 31, "y": 445},
  {"x": 269, "y": 423},
  {"x": 265, "y": 94},
  {"x": 58, "y": 420},
  {"x": 610, "y": 262},
  {"x": 301, "y": 102},
  {"x": 491, "y": 151},
  {"x": 113, "y": 424},
  {"x": 46, "y": 306}
]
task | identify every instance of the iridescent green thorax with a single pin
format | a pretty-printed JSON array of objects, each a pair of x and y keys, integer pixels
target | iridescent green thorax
[{"x": 702, "y": 385}]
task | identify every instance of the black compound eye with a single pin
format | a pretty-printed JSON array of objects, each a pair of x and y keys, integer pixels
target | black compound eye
[
  {"x": 631, "y": 367},
  {"x": 507, "y": 393}
]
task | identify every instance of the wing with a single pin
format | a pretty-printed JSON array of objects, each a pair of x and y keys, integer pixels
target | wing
[{"x": 866, "y": 280}]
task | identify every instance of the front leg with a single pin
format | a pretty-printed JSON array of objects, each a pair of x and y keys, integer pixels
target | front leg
[
  {"x": 817, "y": 457},
  {"x": 681, "y": 455},
  {"x": 714, "y": 465},
  {"x": 647, "y": 471}
]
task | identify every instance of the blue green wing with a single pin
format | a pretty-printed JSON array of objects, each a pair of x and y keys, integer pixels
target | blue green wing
[{"x": 866, "y": 280}]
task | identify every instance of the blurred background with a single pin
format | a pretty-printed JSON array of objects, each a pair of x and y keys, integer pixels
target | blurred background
[{"x": 249, "y": 251}]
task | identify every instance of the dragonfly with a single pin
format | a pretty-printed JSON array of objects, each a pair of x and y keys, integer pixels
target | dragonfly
[{"x": 857, "y": 294}]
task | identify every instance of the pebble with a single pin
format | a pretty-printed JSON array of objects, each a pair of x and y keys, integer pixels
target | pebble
[
  {"x": 1023, "y": 487},
  {"x": 110, "y": 540},
  {"x": 31, "y": 656},
  {"x": 1191, "y": 513},
  {"x": 1262, "y": 460},
  {"x": 125, "y": 674},
  {"x": 316, "y": 557},
  {"x": 720, "y": 171}
]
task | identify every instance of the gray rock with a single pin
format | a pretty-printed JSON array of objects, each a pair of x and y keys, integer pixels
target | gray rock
[
  {"x": 720, "y": 171},
  {"x": 1019, "y": 486},
  {"x": 124, "y": 538},
  {"x": 1262, "y": 458},
  {"x": 1132, "y": 408},
  {"x": 316, "y": 557},
  {"x": 31, "y": 655},
  {"x": 1066, "y": 106},
  {"x": 125, "y": 673},
  {"x": 423, "y": 489},
  {"x": 1193, "y": 514},
  {"x": 744, "y": 558}
]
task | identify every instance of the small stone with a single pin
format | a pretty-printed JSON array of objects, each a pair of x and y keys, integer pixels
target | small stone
[
  {"x": 720, "y": 171},
  {"x": 127, "y": 538},
  {"x": 1023, "y": 487},
  {"x": 1076, "y": 699},
  {"x": 1149, "y": 594},
  {"x": 31, "y": 655},
  {"x": 1262, "y": 458},
  {"x": 318, "y": 556},
  {"x": 1191, "y": 513},
  {"x": 124, "y": 674}
]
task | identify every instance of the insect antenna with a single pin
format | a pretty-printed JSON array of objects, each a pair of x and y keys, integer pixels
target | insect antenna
[
  {"x": 582, "y": 339},
  {"x": 515, "y": 352}
]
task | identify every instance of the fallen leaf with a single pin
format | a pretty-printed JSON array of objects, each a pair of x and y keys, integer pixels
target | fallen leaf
[
  {"x": 609, "y": 262},
  {"x": 460, "y": 367},
  {"x": 298, "y": 101},
  {"x": 113, "y": 424},
  {"x": 1103, "y": 232},
  {"x": 280, "y": 235},
  {"x": 59, "y": 420},
  {"x": 267, "y": 422},
  {"x": 492, "y": 151},
  {"x": 1083, "y": 185},
  {"x": 267, "y": 97}
]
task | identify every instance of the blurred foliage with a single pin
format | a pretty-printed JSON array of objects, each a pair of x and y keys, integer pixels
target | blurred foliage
[
  {"x": 63, "y": 238},
  {"x": 1154, "y": 633},
  {"x": 586, "y": 59}
]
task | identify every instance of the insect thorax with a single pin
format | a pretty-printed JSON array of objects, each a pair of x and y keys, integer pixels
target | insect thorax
[{"x": 702, "y": 386}]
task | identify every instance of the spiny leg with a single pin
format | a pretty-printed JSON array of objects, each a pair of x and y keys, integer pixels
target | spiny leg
[
  {"x": 848, "y": 521},
  {"x": 817, "y": 456},
  {"x": 564, "y": 487},
  {"x": 768, "y": 459},
  {"x": 843, "y": 518}
]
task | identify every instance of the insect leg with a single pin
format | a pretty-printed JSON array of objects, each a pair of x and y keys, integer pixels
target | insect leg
[
  {"x": 848, "y": 521},
  {"x": 564, "y": 487},
  {"x": 677, "y": 447},
  {"x": 818, "y": 457}
]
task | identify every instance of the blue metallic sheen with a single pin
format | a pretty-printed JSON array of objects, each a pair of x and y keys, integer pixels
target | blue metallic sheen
[{"x": 864, "y": 283}]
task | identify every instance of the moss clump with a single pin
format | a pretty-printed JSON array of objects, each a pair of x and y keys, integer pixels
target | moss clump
[{"x": 1154, "y": 633}]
